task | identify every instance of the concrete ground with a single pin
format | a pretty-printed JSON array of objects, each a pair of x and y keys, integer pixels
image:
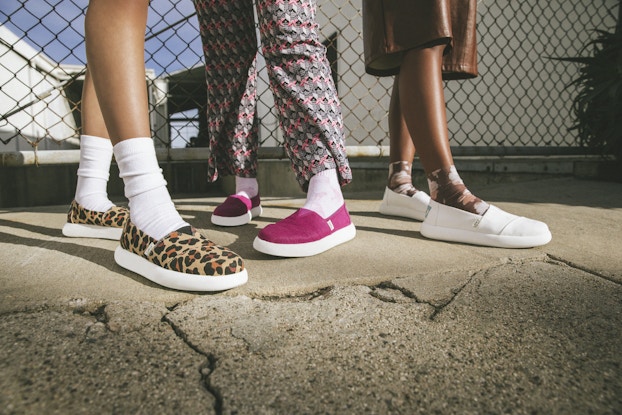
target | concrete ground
[{"x": 388, "y": 323}]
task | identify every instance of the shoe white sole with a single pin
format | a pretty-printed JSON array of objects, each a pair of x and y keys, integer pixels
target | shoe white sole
[
  {"x": 237, "y": 220},
  {"x": 177, "y": 280},
  {"x": 412, "y": 207},
  {"x": 308, "y": 248},
  {"x": 496, "y": 228},
  {"x": 79, "y": 230}
]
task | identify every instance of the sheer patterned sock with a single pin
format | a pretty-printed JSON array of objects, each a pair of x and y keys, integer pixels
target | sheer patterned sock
[
  {"x": 246, "y": 186},
  {"x": 324, "y": 196},
  {"x": 447, "y": 188},
  {"x": 151, "y": 207},
  {"x": 93, "y": 173},
  {"x": 400, "y": 178}
]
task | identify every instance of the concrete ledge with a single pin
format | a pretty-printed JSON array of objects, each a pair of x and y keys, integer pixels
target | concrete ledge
[{"x": 53, "y": 179}]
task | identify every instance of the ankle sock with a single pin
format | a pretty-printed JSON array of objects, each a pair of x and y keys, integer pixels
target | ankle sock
[
  {"x": 93, "y": 173},
  {"x": 324, "y": 196},
  {"x": 246, "y": 186},
  {"x": 400, "y": 178},
  {"x": 151, "y": 207},
  {"x": 447, "y": 188}
]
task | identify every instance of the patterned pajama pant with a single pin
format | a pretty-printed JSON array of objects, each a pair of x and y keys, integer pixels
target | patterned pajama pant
[{"x": 300, "y": 79}]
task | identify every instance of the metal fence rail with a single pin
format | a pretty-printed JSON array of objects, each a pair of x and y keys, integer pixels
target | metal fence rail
[{"x": 518, "y": 105}]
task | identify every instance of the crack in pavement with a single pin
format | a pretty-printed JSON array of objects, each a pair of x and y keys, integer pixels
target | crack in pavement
[
  {"x": 436, "y": 308},
  {"x": 206, "y": 368},
  {"x": 320, "y": 293},
  {"x": 553, "y": 259}
]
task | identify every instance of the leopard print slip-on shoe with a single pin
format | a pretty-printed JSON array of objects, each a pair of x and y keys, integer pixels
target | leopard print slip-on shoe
[
  {"x": 183, "y": 260},
  {"x": 85, "y": 223}
]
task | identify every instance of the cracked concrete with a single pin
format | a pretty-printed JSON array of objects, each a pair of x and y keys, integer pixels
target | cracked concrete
[
  {"x": 388, "y": 323},
  {"x": 65, "y": 360}
]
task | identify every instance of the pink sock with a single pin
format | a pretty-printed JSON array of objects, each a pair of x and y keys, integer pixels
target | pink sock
[
  {"x": 246, "y": 186},
  {"x": 324, "y": 196}
]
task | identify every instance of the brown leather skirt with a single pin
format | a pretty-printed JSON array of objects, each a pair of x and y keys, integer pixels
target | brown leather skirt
[{"x": 392, "y": 27}]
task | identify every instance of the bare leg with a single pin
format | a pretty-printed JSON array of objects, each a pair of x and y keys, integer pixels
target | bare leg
[
  {"x": 423, "y": 104},
  {"x": 115, "y": 45},
  {"x": 402, "y": 149},
  {"x": 92, "y": 119},
  {"x": 115, "y": 33},
  {"x": 115, "y": 53},
  {"x": 422, "y": 101},
  {"x": 401, "y": 143},
  {"x": 95, "y": 157}
]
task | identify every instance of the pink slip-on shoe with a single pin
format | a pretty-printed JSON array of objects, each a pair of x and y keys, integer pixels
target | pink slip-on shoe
[
  {"x": 237, "y": 210},
  {"x": 305, "y": 233}
]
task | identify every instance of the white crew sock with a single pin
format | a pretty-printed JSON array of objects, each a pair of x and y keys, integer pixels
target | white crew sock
[
  {"x": 246, "y": 186},
  {"x": 93, "y": 173},
  {"x": 324, "y": 196},
  {"x": 151, "y": 207}
]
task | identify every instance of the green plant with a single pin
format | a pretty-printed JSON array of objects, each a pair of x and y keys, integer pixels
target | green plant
[{"x": 597, "y": 107}]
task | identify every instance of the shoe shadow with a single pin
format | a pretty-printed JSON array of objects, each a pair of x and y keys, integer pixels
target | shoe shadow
[
  {"x": 99, "y": 256},
  {"x": 243, "y": 236}
]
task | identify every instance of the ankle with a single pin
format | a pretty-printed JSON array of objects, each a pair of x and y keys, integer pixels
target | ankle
[
  {"x": 246, "y": 186},
  {"x": 93, "y": 173},
  {"x": 400, "y": 178},
  {"x": 324, "y": 196},
  {"x": 97, "y": 202},
  {"x": 151, "y": 207},
  {"x": 447, "y": 188}
]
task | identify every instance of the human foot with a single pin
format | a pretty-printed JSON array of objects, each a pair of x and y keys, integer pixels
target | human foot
[
  {"x": 305, "y": 233},
  {"x": 237, "y": 210},
  {"x": 183, "y": 260},
  {"x": 495, "y": 228},
  {"x": 85, "y": 223}
]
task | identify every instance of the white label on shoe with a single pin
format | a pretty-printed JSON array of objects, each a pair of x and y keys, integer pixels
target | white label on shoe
[
  {"x": 149, "y": 249},
  {"x": 427, "y": 210},
  {"x": 330, "y": 225},
  {"x": 476, "y": 223}
]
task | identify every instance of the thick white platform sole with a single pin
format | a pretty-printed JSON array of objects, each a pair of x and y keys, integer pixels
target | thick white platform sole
[
  {"x": 78, "y": 230},
  {"x": 177, "y": 280},
  {"x": 474, "y": 238},
  {"x": 308, "y": 248},
  {"x": 237, "y": 220}
]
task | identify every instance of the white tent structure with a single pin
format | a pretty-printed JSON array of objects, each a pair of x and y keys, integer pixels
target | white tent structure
[{"x": 33, "y": 104}]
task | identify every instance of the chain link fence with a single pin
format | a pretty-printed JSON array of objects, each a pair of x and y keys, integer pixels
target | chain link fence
[{"x": 519, "y": 104}]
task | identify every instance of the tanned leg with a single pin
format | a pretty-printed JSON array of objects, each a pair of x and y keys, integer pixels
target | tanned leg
[
  {"x": 115, "y": 45},
  {"x": 422, "y": 101}
]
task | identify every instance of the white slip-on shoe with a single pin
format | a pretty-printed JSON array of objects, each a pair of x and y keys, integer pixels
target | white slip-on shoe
[
  {"x": 495, "y": 228},
  {"x": 396, "y": 204}
]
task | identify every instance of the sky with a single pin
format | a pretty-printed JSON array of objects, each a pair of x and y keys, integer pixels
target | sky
[{"x": 56, "y": 27}]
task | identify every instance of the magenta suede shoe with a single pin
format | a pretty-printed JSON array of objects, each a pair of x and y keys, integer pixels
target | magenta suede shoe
[
  {"x": 305, "y": 233},
  {"x": 237, "y": 210}
]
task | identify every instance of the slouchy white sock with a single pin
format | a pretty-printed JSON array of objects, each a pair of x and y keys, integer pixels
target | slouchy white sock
[
  {"x": 151, "y": 207},
  {"x": 246, "y": 186},
  {"x": 324, "y": 196},
  {"x": 93, "y": 173}
]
